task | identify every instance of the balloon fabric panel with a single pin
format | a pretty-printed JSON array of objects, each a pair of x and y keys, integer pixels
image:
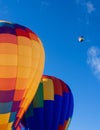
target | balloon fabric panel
[
  {"x": 52, "y": 106},
  {"x": 21, "y": 67}
]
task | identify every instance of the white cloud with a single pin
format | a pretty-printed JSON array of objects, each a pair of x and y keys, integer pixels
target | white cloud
[
  {"x": 86, "y": 8},
  {"x": 94, "y": 60},
  {"x": 90, "y": 7}
]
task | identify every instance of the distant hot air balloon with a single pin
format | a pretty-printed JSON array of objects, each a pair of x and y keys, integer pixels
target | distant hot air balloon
[
  {"x": 21, "y": 67},
  {"x": 81, "y": 39},
  {"x": 52, "y": 106}
]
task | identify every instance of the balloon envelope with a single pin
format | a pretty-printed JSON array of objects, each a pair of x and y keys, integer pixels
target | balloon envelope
[
  {"x": 81, "y": 39},
  {"x": 21, "y": 67},
  {"x": 52, "y": 106}
]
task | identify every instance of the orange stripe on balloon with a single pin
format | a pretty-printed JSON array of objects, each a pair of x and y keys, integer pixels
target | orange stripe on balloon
[
  {"x": 7, "y": 83},
  {"x": 33, "y": 37},
  {"x": 8, "y": 48},
  {"x": 8, "y": 38},
  {"x": 8, "y": 59},
  {"x": 19, "y": 113},
  {"x": 18, "y": 95},
  {"x": 8, "y": 71},
  {"x": 4, "y": 126}
]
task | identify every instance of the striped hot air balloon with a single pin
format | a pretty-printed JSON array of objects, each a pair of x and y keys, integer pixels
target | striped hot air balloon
[
  {"x": 52, "y": 106},
  {"x": 21, "y": 67}
]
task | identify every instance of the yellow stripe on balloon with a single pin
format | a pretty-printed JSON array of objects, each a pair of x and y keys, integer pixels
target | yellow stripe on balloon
[
  {"x": 7, "y": 59},
  {"x": 21, "y": 83},
  {"x": 9, "y": 125},
  {"x": 24, "y": 41},
  {"x": 4, "y": 118},
  {"x": 24, "y": 50},
  {"x": 48, "y": 89},
  {"x": 25, "y": 61},
  {"x": 23, "y": 72}
]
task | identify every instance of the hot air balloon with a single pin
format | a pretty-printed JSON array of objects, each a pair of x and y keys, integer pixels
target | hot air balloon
[
  {"x": 21, "y": 68},
  {"x": 52, "y": 106},
  {"x": 81, "y": 38}
]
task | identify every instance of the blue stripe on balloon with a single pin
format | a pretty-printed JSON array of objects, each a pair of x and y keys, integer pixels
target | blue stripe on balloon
[
  {"x": 48, "y": 114},
  {"x": 29, "y": 123},
  {"x": 38, "y": 119},
  {"x": 12, "y": 116},
  {"x": 9, "y": 30},
  {"x": 65, "y": 106},
  {"x": 57, "y": 111},
  {"x": 5, "y": 24},
  {"x": 71, "y": 104},
  {"x": 19, "y": 26},
  {"x": 5, "y": 107}
]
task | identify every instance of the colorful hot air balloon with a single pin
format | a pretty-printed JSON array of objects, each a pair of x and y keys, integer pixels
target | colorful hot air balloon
[
  {"x": 21, "y": 68},
  {"x": 52, "y": 106},
  {"x": 81, "y": 39}
]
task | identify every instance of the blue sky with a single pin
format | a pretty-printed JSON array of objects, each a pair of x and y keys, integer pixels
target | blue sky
[{"x": 59, "y": 23}]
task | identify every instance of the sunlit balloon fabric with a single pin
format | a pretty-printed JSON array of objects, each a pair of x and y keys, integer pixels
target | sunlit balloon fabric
[
  {"x": 52, "y": 106},
  {"x": 21, "y": 68}
]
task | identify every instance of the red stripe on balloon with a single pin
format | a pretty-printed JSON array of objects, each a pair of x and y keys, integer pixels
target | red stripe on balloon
[
  {"x": 7, "y": 83},
  {"x": 20, "y": 32}
]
